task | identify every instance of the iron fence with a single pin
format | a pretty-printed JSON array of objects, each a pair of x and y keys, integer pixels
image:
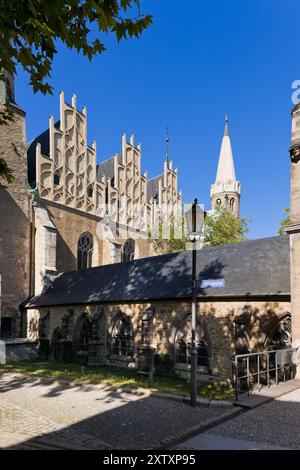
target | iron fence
[{"x": 255, "y": 370}]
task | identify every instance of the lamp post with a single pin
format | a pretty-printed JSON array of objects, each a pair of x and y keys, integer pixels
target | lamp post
[{"x": 194, "y": 220}]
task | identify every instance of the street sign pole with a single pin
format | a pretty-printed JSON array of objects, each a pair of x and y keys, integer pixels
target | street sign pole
[
  {"x": 194, "y": 220},
  {"x": 194, "y": 320}
]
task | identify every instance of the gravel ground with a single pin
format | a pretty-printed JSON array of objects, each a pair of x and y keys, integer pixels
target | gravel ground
[{"x": 91, "y": 415}]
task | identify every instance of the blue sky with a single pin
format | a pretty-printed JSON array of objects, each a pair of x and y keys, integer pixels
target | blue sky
[{"x": 200, "y": 60}]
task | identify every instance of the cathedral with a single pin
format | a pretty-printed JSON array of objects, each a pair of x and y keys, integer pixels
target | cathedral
[
  {"x": 65, "y": 212},
  {"x": 79, "y": 280}
]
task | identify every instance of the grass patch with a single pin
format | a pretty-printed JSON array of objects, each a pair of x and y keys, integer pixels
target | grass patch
[{"x": 116, "y": 377}]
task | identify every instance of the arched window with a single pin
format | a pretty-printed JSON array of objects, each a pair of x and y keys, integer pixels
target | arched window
[
  {"x": 82, "y": 334},
  {"x": 219, "y": 202},
  {"x": 182, "y": 352},
  {"x": 147, "y": 327},
  {"x": 84, "y": 251},
  {"x": 128, "y": 250},
  {"x": 122, "y": 340},
  {"x": 232, "y": 203},
  {"x": 183, "y": 342},
  {"x": 56, "y": 337},
  {"x": 280, "y": 334},
  {"x": 44, "y": 324}
]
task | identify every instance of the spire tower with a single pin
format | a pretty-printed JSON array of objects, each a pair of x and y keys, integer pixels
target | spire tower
[{"x": 226, "y": 190}]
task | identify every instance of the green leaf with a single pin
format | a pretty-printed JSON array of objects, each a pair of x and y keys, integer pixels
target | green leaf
[{"x": 30, "y": 29}]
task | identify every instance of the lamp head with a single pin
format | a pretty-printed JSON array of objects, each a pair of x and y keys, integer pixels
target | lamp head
[{"x": 194, "y": 216}]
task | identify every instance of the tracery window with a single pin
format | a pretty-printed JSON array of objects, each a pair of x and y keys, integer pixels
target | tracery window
[
  {"x": 147, "y": 329},
  {"x": 122, "y": 337},
  {"x": 84, "y": 251},
  {"x": 280, "y": 335},
  {"x": 82, "y": 335},
  {"x": 44, "y": 326},
  {"x": 183, "y": 341},
  {"x": 128, "y": 250}
]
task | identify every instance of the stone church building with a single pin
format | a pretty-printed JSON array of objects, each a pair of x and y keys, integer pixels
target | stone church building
[{"x": 79, "y": 276}]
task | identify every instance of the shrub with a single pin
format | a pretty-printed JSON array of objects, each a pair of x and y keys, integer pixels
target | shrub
[{"x": 163, "y": 365}]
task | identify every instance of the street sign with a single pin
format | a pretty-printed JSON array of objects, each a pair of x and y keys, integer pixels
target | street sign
[{"x": 211, "y": 283}]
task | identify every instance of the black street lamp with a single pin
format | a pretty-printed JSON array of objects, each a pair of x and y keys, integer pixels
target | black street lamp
[{"x": 194, "y": 221}]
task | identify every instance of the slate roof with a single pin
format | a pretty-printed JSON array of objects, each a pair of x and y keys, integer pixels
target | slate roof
[
  {"x": 258, "y": 268},
  {"x": 42, "y": 139},
  {"x": 107, "y": 168},
  {"x": 152, "y": 186}
]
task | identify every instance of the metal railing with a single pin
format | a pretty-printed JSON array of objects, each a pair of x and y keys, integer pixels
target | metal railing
[{"x": 262, "y": 368}]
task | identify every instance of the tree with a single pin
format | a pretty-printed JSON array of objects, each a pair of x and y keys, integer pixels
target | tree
[
  {"x": 285, "y": 221},
  {"x": 31, "y": 29},
  {"x": 170, "y": 237},
  {"x": 5, "y": 171},
  {"x": 221, "y": 226}
]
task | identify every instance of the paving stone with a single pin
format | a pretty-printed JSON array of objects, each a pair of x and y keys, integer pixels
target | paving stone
[
  {"x": 91, "y": 417},
  {"x": 275, "y": 423}
]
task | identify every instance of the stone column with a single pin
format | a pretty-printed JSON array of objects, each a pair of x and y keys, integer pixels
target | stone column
[{"x": 294, "y": 228}]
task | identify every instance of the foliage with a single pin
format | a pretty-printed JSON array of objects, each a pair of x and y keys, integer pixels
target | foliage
[
  {"x": 6, "y": 114},
  {"x": 31, "y": 29},
  {"x": 163, "y": 364},
  {"x": 285, "y": 221},
  {"x": 174, "y": 243},
  {"x": 221, "y": 226},
  {"x": 116, "y": 377},
  {"x": 5, "y": 171}
]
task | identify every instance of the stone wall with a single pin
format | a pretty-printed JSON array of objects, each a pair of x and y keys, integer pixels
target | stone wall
[
  {"x": 14, "y": 221},
  {"x": 21, "y": 350},
  {"x": 294, "y": 228},
  {"x": 70, "y": 225},
  {"x": 229, "y": 326}
]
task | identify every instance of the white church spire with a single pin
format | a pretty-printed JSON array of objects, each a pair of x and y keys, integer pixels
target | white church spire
[
  {"x": 226, "y": 170},
  {"x": 226, "y": 190}
]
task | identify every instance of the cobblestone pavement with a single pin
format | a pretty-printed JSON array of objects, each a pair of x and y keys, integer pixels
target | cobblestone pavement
[
  {"x": 273, "y": 424},
  {"x": 92, "y": 416}
]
